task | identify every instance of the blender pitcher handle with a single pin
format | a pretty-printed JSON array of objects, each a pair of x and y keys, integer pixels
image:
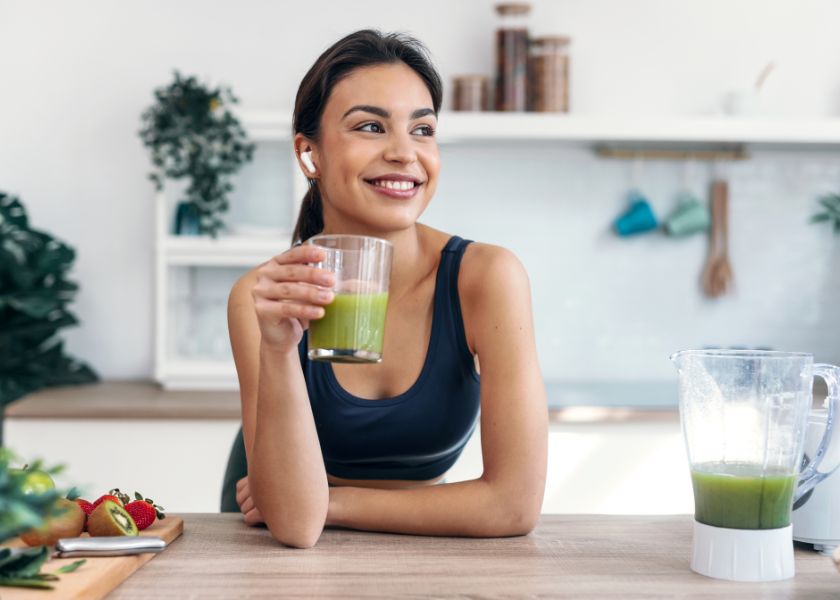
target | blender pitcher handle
[{"x": 830, "y": 442}]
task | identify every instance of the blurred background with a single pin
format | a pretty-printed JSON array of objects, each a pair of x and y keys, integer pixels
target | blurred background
[{"x": 622, "y": 116}]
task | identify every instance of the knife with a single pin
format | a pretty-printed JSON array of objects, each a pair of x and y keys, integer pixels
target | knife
[{"x": 108, "y": 546}]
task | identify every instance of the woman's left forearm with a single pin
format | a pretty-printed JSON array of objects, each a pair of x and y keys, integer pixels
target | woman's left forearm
[{"x": 473, "y": 508}]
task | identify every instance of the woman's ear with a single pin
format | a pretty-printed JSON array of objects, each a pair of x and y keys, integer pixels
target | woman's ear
[
  {"x": 303, "y": 150},
  {"x": 306, "y": 159}
]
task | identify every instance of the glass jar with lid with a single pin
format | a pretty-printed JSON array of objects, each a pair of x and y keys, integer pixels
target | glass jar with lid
[
  {"x": 470, "y": 93},
  {"x": 512, "y": 56},
  {"x": 548, "y": 74}
]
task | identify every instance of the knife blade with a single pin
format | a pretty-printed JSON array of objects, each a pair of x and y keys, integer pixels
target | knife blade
[{"x": 108, "y": 546}]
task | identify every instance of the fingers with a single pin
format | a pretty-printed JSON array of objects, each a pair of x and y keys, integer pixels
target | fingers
[
  {"x": 253, "y": 517},
  {"x": 247, "y": 505},
  {"x": 305, "y": 253},
  {"x": 276, "y": 310},
  {"x": 299, "y": 273},
  {"x": 270, "y": 289},
  {"x": 243, "y": 491}
]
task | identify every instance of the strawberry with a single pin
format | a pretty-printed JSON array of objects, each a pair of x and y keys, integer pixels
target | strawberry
[
  {"x": 85, "y": 505},
  {"x": 105, "y": 497},
  {"x": 142, "y": 512}
]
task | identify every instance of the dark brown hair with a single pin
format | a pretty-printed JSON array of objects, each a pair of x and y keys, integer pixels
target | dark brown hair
[{"x": 363, "y": 48}]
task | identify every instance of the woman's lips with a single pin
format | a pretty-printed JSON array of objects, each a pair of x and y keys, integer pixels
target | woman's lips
[{"x": 394, "y": 190}]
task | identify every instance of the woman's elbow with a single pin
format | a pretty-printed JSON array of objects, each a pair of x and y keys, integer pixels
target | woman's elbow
[
  {"x": 520, "y": 513},
  {"x": 522, "y": 521},
  {"x": 296, "y": 537}
]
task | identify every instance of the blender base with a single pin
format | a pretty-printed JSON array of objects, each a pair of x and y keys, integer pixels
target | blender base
[{"x": 742, "y": 554}]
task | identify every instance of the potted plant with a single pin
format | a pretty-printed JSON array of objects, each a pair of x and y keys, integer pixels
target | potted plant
[
  {"x": 192, "y": 134},
  {"x": 34, "y": 297}
]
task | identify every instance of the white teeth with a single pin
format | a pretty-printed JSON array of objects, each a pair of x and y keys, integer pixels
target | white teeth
[{"x": 394, "y": 185}]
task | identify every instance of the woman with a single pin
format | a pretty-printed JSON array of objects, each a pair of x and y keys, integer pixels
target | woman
[{"x": 361, "y": 446}]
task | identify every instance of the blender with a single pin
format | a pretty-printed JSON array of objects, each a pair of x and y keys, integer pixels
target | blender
[{"x": 744, "y": 415}]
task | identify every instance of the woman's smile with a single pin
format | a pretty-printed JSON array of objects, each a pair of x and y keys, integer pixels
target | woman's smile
[{"x": 395, "y": 185}]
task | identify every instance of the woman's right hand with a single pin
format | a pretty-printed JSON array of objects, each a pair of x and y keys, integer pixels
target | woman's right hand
[
  {"x": 249, "y": 510},
  {"x": 289, "y": 293}
]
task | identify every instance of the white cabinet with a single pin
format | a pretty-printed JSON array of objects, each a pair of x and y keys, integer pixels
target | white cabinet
[{"x": 195, "y": 274}]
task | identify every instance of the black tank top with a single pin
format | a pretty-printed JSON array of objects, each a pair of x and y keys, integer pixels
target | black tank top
[{"x": 420, "y": 433}]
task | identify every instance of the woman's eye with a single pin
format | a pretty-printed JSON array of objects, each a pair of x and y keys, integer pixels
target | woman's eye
[
  {"x": 371, "y": 128},
  {"x": 425, "y": 130}
]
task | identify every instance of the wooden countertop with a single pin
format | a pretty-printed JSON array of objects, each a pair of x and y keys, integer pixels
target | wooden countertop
[
  {"x": 125, "y": 400},
  {"x": 572, "y": 556},
  {"x": 147, "y": 400}
]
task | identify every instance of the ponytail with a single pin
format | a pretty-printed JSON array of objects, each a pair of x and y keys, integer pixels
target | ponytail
[{"x": 311, "y": 217}]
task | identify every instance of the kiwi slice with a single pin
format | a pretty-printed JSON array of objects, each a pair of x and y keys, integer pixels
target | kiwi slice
[{"x": 109, "y": 518}]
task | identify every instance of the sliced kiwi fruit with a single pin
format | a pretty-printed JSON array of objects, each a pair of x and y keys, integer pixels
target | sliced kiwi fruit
[{"x": 109, "y": 518}]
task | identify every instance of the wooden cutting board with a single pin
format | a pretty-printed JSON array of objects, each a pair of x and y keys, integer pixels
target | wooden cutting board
[{"x": 99, "y": 575}]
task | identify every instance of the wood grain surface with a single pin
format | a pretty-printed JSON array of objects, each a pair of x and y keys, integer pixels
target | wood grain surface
[
  {"x": 125, "y": 400},
  {"x": 567, "y": 556},
  {"x": 99, "y": 575}
]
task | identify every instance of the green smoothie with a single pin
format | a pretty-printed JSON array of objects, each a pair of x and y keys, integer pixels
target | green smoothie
[
  {"x": 742, "y": 496},
  {"x": 351, "y": 322}
]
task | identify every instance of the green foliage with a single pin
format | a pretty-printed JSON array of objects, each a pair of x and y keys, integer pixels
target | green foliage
[
  {"x": 20, "y": 512},
  {"x": 192, "y": 134},
  {"x": 34, "y": 294},
  {"x": 831, "y": 214}
]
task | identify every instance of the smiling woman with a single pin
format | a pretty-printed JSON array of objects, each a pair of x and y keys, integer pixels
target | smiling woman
[{"x": 360, "y": 445}]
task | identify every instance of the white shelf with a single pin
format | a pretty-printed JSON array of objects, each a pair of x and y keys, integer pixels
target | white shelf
[
  {"x": 198, "y": 374},
  {"x": 455, "y": 127},
  {"x": 599, "y": 129},
  {"x": 222, "y": 251}
]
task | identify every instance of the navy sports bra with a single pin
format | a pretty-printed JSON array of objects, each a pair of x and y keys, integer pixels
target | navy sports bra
[{"x": 420, "y": 433}]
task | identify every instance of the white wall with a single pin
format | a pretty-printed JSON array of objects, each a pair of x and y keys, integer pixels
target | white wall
[{"x": 75, "y": 76}]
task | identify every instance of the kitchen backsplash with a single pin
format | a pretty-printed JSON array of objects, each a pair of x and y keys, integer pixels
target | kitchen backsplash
[{"x": 611, "y": 308}]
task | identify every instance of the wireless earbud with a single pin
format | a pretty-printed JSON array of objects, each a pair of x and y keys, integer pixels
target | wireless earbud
[{"x": 306, "y": 159}]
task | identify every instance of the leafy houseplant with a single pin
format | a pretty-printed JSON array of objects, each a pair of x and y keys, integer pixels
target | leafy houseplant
[
  {"x": 831, "y": 212},
  {"x": 34, "y": 294},
  {"x": 192, "y": 134}
]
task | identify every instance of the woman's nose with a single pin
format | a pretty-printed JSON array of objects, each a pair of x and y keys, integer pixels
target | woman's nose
[{"x": 400, "y": 149}]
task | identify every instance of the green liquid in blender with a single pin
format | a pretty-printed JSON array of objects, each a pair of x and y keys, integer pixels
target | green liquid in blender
[
  {"x": 351, "y": 322},
  {"x": 742, "y": 495}
]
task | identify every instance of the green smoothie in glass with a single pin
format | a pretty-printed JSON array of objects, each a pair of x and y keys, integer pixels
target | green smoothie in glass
[
  {"x": 742, "y": 496},
  {"x": 353, "y": 326},
  {"x": 351, "y": 322}
]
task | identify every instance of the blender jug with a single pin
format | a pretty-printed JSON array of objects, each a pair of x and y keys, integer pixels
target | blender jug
[{"x": 744, "y": 416}]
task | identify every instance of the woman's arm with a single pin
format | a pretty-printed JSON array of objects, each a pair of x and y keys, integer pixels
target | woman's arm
[
  {"x": 286, "y": 473},
  {"x": 507, "y": 498}
]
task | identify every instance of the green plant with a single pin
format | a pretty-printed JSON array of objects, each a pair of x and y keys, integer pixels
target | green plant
[
  {"x": 192, "y": 134},
  {"x": 34, "y": 295},
  {"x": 831, "y": 204}
]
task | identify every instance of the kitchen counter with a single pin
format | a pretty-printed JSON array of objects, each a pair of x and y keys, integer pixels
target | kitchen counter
[{"x": 567, "y": 555}]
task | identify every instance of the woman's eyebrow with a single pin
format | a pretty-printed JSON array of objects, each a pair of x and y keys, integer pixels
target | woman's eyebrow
[{"x": 381, "y": 112}]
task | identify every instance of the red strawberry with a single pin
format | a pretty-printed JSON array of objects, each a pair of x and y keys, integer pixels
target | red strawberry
[
  {"x": 85, "y": 505},
  {"x": 142, "y": 512},
  {"x": 110, "y": 497}
]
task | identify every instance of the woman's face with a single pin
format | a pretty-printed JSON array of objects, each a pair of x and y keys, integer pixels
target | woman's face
[{"x": 377, "y": 156}]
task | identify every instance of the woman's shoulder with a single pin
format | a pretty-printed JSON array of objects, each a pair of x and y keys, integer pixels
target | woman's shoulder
[{"x": 485, "y": 267}]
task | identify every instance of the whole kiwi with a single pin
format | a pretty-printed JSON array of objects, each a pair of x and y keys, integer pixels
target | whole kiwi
[
  {"x": 109, "y": 518},
  {"x": 66, "y": 520}
]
